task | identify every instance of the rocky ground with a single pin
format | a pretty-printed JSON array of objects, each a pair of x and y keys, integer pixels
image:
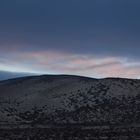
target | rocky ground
[
  {"x": 69, "y": 107},
  {"x": 71, "y": 133}
]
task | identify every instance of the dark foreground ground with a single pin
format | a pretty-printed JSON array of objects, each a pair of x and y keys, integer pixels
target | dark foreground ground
[{"x": 86, "y": 133}]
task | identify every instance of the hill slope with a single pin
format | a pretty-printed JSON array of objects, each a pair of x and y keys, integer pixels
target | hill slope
[{"x": 61, "y": 99}]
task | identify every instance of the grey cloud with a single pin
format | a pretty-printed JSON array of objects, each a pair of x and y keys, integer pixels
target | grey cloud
[{"x": 102, "y": 28}]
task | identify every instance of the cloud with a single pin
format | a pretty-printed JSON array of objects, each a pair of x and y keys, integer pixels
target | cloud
[
  {"x": 48, "y": 62},
  {"x": 76, "y": 26},
  {"x": 94, "y": 38}
]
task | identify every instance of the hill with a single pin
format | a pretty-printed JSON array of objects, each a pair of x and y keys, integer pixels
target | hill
[{"x": 63, "y": 100}]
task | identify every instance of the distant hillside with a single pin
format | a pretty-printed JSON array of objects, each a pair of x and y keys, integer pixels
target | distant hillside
[{"x": 9, "y": 75}]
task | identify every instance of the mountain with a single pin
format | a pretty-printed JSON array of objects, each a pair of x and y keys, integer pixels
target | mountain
[
  {"x": 60, "y": 100},
  {"x": 91, "y": 98},
  {"x": 9, "y": 75}
]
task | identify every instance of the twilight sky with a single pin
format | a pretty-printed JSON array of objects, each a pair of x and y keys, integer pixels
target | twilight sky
[{"x": 97, "y": 38}]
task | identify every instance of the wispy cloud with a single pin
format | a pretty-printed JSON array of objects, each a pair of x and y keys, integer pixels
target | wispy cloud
[{"x": 59, "y": 62}]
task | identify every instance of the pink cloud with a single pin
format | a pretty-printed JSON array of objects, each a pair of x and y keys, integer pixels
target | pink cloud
[{"x": 60, "y": 62}]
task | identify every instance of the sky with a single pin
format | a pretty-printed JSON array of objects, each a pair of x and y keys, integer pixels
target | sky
[{"x": 96, "y": 38}]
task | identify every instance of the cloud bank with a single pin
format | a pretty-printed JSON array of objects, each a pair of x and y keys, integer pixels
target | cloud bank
[
  {"x": 53, "y": 62},
  {"x": 97, "y": 38}
]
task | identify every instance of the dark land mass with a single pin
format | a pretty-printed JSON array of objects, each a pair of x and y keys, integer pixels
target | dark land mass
[{"x": 65, "y": 107}]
